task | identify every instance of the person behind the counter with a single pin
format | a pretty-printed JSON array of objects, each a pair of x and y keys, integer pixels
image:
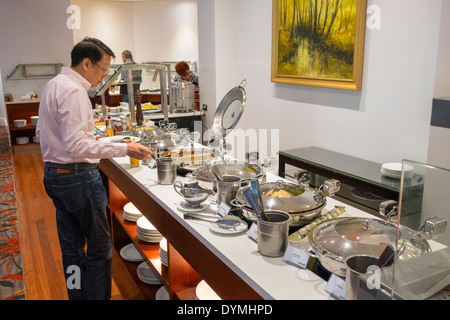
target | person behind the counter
[
  {"x": 127, "y": 58},
  {"x": 71, "y": 179},
  {"x": 184, "y": 73}
]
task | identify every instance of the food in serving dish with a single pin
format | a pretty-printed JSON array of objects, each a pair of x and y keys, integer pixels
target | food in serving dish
[{"x": 191, "y": 156}]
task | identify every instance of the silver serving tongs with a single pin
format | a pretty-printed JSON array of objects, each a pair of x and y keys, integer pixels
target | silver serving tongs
[
  {"x": 221, "y": 223},
  {"x": 257, "y": 197}
]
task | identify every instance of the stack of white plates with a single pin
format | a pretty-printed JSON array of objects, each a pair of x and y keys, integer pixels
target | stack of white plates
[
  {"x": 204, "y": 292},
  {"x": 394, "y": 170},
  {"x": 163, "y": 252},
  {"x": 22, "y": 140},
  {"x": 130, "y": 253},
  {"x": 146, "y": 274},
  {"x": 147, "y": 232},
  {"x": 131, "y": 213}
]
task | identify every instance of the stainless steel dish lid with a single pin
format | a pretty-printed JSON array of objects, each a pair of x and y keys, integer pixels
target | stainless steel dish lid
[
  {"x": 167, "y": 141},
  {"x": 243, "y": 170},
  {"x": 229, "y": 111},
  {"x": 344, "y": 237},
  {"x": 286, "y": 197}
]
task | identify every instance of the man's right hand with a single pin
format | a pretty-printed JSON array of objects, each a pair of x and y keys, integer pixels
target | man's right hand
[{"x": 139, "y": 151}]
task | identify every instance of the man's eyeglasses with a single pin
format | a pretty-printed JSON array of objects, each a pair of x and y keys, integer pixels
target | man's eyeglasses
[{"x": 104, "y": 71}]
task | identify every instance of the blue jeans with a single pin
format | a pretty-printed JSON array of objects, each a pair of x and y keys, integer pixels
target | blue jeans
[{"x": 80, "y": 201}]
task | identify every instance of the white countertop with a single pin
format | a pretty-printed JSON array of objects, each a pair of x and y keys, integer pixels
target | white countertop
[{"x": 272, "y": 278}]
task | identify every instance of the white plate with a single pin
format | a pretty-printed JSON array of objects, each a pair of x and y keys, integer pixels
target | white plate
[
  {"x": 22, "y": 140},
  {"x": 204, "y": 292},
  {"x": 203, "y": 206},
  {"x": 148, "y": 233},
  {"x": 130, "y": 253},
  {"x": 147, "y": 238},
  {"x": 118, "y": 139},
  {"x": 241, "y": 227},
  {"x": 395, "y": 168},
  {"x": 130, "y": 218},
  {"x": 146, "y": 274},
  {"x": 145, "y": 225},
  {"x": 131, "y": 209},
  {"x": 391, "y": 175},
  {"x": 162, "y": 293},
  {"x": 163, "y": 245}
]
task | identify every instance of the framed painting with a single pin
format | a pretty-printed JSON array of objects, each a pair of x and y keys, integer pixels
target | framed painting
[{"x": 319, "y": 42}]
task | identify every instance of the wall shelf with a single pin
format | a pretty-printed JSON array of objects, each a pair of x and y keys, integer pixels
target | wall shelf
[{"x": 35, "y": 71}]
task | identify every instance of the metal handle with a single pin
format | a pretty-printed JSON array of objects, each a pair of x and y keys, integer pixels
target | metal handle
[
  {"x": 330, "y": 187},
  {"x": 178, "y": 184},
  {"x": 249, "y": 198},
  {"x": 237, "y": 203},
  {"x": 433, "y": 228},
  {"x": 388, "y": 209}
]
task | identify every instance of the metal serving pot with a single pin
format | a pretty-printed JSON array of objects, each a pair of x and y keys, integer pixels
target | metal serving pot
[
  {"x": 207, "y": 180},
  {"x": 334, "y": 240},
  {"x": 183, "y": 93},
  {"x": 302, "y": 203}
]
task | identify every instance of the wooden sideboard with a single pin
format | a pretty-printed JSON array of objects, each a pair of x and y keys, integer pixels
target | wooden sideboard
[
  {"x": 189, "y": 259},
  {"x": 22, "y": 110}
]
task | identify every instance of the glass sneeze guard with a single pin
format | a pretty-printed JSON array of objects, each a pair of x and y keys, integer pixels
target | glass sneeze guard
[{"x": 426, "y": 212}]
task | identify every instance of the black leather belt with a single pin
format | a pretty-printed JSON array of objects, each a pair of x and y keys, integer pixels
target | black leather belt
[{"x": 76, "y": 166}]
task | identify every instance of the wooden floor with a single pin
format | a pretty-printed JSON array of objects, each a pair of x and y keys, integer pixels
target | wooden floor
[{"x": 43, "y": 271}]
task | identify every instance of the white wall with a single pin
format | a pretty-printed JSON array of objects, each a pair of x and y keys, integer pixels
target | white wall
[
  {"x": 159, "y": 30},
  {"x": 166, "y": 30},
  {"x": 109, "y": 21},
  {"x": 387, "y": 121},
  {"x": 32, "y": 32},
  {"x": 442, "y": 85}
]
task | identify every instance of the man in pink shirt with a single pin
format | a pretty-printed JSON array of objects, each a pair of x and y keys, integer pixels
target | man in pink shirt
[{"x": 70, "y": 151}]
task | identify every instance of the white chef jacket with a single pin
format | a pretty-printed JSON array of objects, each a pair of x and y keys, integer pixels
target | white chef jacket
[{"x": 66, "y": 128}]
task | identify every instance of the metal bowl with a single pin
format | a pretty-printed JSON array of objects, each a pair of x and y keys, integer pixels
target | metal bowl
[
  {"x": 302, "y": 204},
  {"x": 207, "y": 180},
  {"x": 193, "y": 196}
]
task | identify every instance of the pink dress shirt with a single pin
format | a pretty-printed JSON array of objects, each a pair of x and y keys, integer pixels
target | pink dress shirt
[{"x": 66, "y": 127}]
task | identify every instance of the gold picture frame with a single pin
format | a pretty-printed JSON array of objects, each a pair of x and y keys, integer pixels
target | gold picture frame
[{"x": 319, "y": 42}]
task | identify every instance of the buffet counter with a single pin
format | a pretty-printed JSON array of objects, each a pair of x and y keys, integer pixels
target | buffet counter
[{"x": 230, "y": 263}]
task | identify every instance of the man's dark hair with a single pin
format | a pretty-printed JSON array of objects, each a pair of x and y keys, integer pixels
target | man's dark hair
[{"x": 90, "y": 48}]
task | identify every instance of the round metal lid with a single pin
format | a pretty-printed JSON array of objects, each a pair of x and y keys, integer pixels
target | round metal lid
[
  {"x": 243, "y": 170},
  {"x": 287, "y": 197},
  {"x": 343, "y": 237},
  {"x": 229, "y": 111},
  {"x": 168, "y": 140}
]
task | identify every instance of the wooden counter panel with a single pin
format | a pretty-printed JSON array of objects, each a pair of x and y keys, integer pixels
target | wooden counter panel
[{"x": 222, "y": 279}]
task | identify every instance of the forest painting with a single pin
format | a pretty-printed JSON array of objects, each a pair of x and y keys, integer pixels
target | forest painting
[{"x": 318, "y": 42}]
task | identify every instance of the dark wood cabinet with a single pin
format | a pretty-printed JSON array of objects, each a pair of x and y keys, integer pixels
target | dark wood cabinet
[{"x": 22, "y": 110}]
